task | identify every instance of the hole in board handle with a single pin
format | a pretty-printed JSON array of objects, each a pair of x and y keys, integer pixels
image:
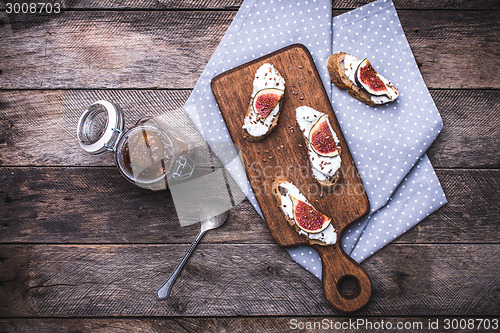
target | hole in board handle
[{"x": 348, "y": 287}]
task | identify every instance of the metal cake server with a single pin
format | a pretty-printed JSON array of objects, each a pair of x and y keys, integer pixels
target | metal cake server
[{"x": 211, "y": 219}]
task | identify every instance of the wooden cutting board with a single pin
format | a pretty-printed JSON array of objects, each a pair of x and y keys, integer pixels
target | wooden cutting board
[{"x": 266, "y": 160}]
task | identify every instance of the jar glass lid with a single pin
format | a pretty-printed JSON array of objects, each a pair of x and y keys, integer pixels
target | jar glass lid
[{"x": 100, "y": 127}]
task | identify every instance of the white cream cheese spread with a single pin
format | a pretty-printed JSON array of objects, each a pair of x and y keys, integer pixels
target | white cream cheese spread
[
  {"x": 351, "y": 63},
  {"x": 327, "y": 236},
  {"x": 324, "y": 167},
  {"x": 266, "y": 77}
]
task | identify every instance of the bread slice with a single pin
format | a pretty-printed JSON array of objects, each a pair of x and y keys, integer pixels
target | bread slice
[
  {"x": 330, "y": 182},
  {"x": 267, "y": 78},
  {"x": 252, "y": 138},
  {"x": 277, "y": 197},
  {"x": 306, "y": 117},
  {"x": 336, "y": 69}
]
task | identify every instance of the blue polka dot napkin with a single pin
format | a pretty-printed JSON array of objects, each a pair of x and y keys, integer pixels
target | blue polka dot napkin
[
  {"x": 259, "y": 28},
  {"x": 388, "y": 143}
]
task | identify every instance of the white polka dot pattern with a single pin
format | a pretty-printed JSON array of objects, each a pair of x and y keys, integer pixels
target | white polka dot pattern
[
  {"x": 386, "y": 141},
  {"x": 418, "y": 195},
  {"x": 259, "y": 28}
]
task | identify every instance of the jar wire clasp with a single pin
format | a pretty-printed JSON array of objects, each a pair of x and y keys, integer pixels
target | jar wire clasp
[{"x": 118, "y": 133}]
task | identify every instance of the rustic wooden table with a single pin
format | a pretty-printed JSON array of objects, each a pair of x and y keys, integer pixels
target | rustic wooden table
[{"x": 81, "y": 249}]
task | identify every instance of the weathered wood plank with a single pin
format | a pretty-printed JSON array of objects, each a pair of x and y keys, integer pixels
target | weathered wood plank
[
  {"x": 220, "y": 324},
  {"x": 463, "y": 218},
  {"x": 97, "y": 205},
  {"x": 34, "y": 119},
  {"x": 235, "y": 4},
  {"x": 235, "y": 280},
  {"x": 109, "y": 49},
  {"x": 155, "y": 4},
  {"x": 53, "y": 118},
  {"x": 98, "y": 49},
  {"x": 31, "y": 120},
  {"x": 455, "y": 64},
  {"x": 471, "y": 128},
  {"x": 184, "y": 4}
]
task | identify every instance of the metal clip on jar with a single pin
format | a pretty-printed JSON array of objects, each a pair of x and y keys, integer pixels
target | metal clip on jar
[{"x": 149, "y": 154}]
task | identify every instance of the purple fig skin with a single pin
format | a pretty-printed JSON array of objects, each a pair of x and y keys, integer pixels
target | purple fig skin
[
  {"x": 266, "y": 100},
  {"x": 308, "y": 218},
  {"x": 370, "y": 83},
  {"x": 321, "y": 138}
]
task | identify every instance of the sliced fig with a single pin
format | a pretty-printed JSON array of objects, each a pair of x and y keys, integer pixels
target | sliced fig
[
  {"x": 308, "y": 218},
  {"x": 369, "y": 80},
  {"x": 265, "y": 101},
  {"x": 322, "y": 139}
]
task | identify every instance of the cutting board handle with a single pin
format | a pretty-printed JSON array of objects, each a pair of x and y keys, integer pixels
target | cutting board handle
[{"x": 338, "y": 267}]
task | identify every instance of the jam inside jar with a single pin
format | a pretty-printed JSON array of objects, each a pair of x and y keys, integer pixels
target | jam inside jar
[{"x": 149, "y": 154}]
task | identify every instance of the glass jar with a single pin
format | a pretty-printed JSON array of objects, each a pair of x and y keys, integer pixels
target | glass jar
[{"x": 149, "y": 154}]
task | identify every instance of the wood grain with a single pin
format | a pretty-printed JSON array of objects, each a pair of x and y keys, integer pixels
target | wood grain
[
  {"x": 100, "y": 49},
  {"x": 471, "y": 127},
  {"x": 47, "y": 118},
  {"x": 108, "y": 49},
  {"x": 236, "y": 280},
  {"x": 277, "y": 324},
  {"x": 53, "y": 118},
  {"x": 265, "y": 161},
  {"x": 60, "y": 205},
  {"x": 337, "y": 268},
  {"x": 234, "y": 4},
  {"x": 151, "y": 44}
]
